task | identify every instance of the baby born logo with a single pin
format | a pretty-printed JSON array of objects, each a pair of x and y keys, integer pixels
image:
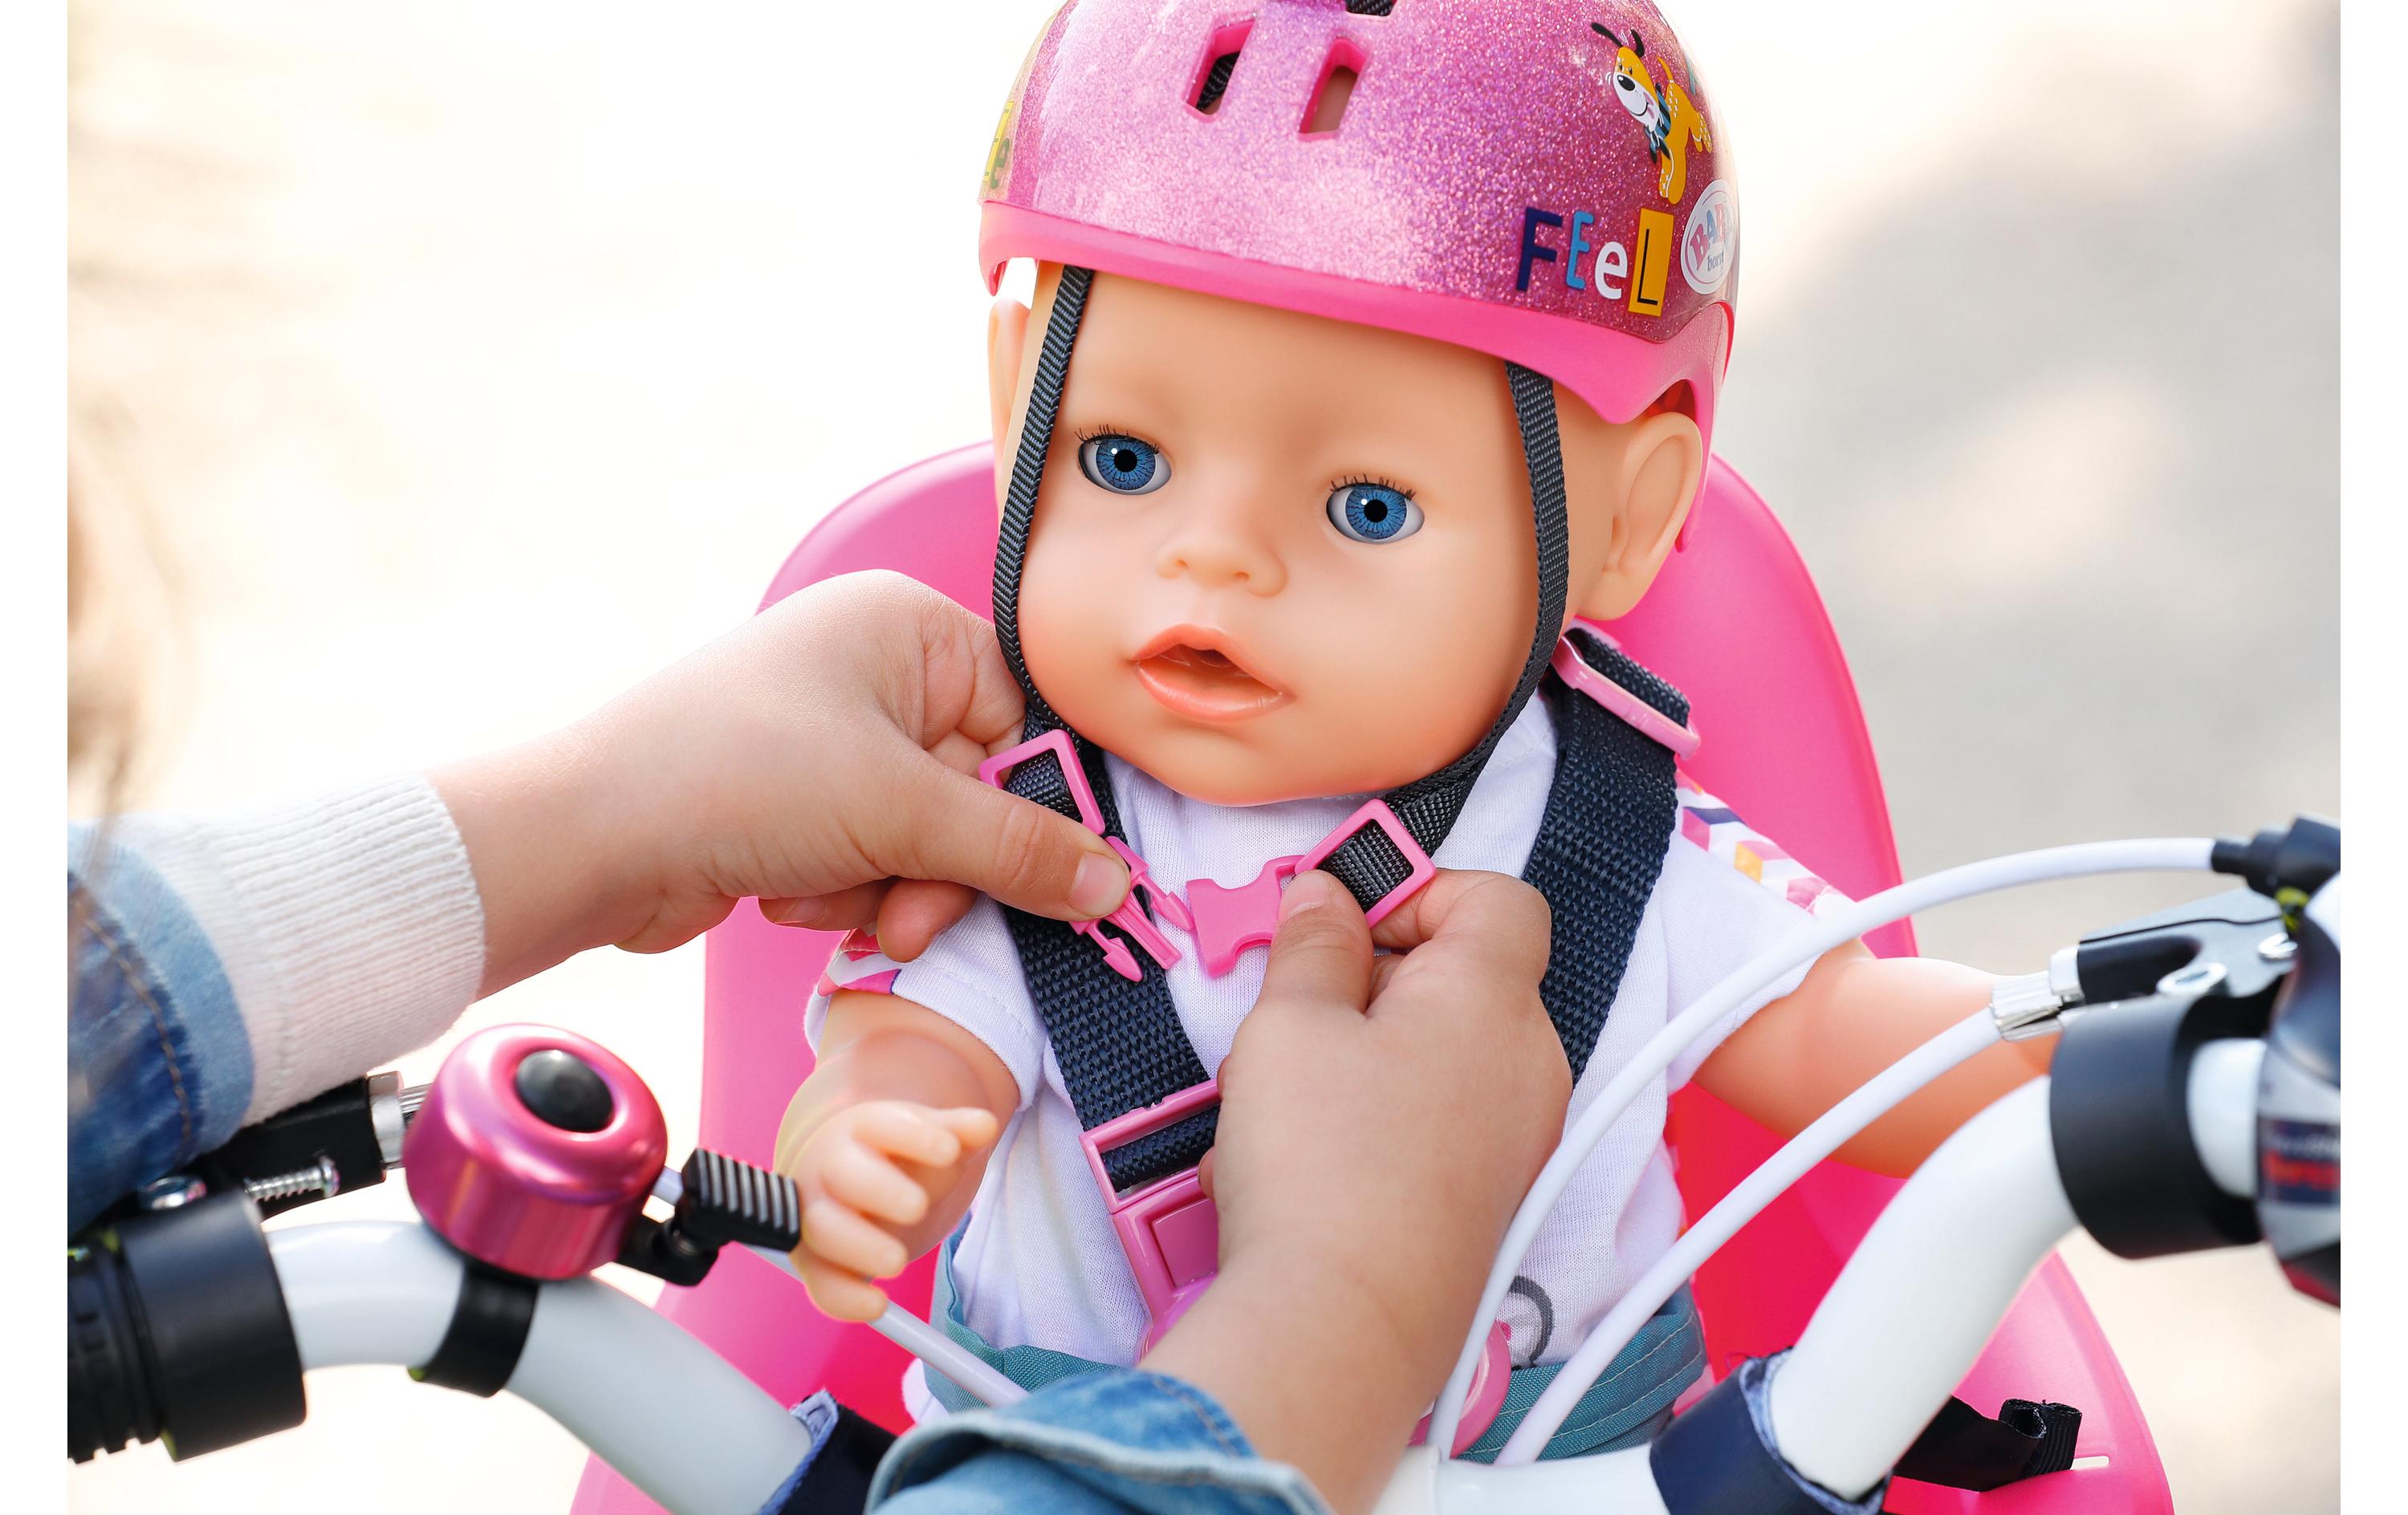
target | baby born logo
[{"x": 1711, "y": 238}]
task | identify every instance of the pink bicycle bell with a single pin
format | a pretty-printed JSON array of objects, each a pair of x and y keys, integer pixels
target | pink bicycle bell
[{"x": 534, "y": 1151}]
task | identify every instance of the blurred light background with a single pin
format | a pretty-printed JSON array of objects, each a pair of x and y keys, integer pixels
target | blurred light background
[{"x": 472, "y": 360}]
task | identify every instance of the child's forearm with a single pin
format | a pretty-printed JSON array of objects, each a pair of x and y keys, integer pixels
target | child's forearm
[
  {"x": 876, "y": 1047},
  {"x": 1853, "y": 1016}
]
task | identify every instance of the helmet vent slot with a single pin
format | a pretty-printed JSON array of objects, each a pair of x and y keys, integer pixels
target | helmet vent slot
[
  {"x": 1339, "y": 72},
  {"x": 1219, "y": 62},
  {"x": 1369, "y": 7}
]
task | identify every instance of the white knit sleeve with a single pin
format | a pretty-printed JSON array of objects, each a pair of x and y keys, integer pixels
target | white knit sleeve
[{"x": 347, "y": 925}]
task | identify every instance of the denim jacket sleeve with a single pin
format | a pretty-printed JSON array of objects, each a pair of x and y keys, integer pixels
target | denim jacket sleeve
[
  {"x": 158, "y": 1064},
  {"x": 226, "y": 966},
  {"x": 1107, "y": 1443}
]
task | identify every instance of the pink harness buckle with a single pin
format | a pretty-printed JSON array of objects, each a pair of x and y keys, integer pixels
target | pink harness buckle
[
  {"x": 1130, "y": 918},
  {"x": 1230, "y": 921},
  {"x": 1171, "y": 1232},
  {"x": 1651, "y": 722}
]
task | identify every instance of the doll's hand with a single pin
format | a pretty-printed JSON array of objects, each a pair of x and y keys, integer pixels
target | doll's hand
[
  {"x": 869, "y": 1176},
  {"x": 813, "y": 757}
]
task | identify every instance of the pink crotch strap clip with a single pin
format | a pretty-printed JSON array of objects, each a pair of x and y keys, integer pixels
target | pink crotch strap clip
[
  {"x": 1230, "y": 921},
  {"x": 1490, "y": 1381},
  {"x": 1130, "y": 918},
  {"x": 1171, "y": 1232},
  {"x": 1651, "y": 722}
]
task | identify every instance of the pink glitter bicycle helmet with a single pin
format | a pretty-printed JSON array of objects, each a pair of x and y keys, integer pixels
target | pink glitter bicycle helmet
[
  {"x": 1545, "y": 180},
  {"x": 1535, "y": 179}
]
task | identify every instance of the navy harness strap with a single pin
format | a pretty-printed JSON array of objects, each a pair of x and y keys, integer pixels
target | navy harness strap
[
  {"x": 1601, "y": 842},
  {"x": 1119, "y": 1044}
]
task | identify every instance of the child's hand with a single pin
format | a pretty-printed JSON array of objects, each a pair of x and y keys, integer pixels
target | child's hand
[
  {"x": 870, "y": 1173},
  {"x": 822, "y": 757},
  {"x": 1380, "y": 1119}
]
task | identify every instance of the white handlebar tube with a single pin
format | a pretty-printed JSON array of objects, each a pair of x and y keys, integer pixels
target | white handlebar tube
[
  {"x": 690, "y": 1431},
  {"x": 1968, "y": 1037},
  {"x": 2170, "y": 854},
  {"x": 1919, "y": 1300}
]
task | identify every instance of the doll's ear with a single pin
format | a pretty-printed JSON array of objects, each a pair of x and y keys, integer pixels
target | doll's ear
[
  {"x": 1652, "y": 480},
  {"x": 1006, "y": 339}
]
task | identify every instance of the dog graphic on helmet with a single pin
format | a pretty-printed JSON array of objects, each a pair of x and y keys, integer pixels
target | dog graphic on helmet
[{"x": 1671, "y": 119}]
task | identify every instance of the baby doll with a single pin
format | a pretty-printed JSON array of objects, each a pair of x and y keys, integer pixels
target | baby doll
[{"x": 1268, "y": 573}]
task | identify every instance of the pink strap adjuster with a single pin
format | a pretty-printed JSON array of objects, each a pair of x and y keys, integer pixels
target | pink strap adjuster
[
  {"x": 1171, "y": 1232},
  {"x": 1651, "y": 722},
  {"x": 1230, "y": 921},
  {"x": 1130, "y": 918}
]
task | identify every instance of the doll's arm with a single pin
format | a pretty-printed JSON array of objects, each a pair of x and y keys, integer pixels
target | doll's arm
[
  {"x": 1854, "y": 1015},
  {"x": 886, "y": 1139}
]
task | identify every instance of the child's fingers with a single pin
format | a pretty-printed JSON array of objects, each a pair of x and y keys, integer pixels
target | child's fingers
[
  {"x": 916, "y": 912},
  {"x": 1467, "y": 928},
  {"x": 840, "y": 910},
  {"x": 838, "y": 1234},
  {"x": 1322, "y": 954},
  {"x": 873, "y": 1184},
  {"x": 837, "y": 1293},
  {"x": 962, "y": 752}
]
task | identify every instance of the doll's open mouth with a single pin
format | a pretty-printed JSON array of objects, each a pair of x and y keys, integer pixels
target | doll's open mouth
[{"x": 1193, "y": 673}]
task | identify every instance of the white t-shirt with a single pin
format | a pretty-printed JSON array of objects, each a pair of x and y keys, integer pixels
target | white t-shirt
[{"x": 1040, "y": 1263}]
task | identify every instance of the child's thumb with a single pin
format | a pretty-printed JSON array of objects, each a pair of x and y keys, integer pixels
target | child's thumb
[{"x": 951, "y": 826}]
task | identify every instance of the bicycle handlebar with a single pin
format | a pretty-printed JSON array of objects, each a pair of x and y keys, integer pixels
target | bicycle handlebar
[
  {"x": 1895, "y": 1334},
  {"x": 673, "y": 1417}
]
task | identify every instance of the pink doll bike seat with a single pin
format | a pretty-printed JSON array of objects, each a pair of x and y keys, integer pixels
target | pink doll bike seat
[{"x": 1735, "y": 622}]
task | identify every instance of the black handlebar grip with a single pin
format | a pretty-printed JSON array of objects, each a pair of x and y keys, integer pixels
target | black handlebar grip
[{"x": 177, "y": 1330}]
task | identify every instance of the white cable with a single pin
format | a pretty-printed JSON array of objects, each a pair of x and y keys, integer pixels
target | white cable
[
  {"x": 897, "y": 1325},
  {"x": 1882, "y": 1093},
  {"x": 1840, "y": 926},
  {"x": 930, "y": 1345}
]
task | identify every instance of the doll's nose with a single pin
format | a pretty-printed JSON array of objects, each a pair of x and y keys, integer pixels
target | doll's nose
[{"x": 1221, "y": 554}]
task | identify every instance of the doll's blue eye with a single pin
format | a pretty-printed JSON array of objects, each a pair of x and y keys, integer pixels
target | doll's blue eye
[
  {"x": 1124, "y": 465},
  {"x": 1373, "y": 513}
]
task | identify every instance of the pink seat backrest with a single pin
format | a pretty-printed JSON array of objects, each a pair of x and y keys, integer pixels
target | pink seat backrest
[{"x": 1735, "y": 622}]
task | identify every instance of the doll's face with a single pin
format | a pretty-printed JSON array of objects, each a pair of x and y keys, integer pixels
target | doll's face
[{"x": 1277, "y": 555}]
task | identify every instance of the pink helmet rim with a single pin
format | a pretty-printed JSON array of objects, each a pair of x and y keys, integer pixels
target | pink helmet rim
[{"x": 1615, "y": 374}]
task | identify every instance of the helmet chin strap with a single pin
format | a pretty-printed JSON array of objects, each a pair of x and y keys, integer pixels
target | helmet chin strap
[
  {"x": 1027, "y": 475},
  {"x": 1369, "y": 862}
]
